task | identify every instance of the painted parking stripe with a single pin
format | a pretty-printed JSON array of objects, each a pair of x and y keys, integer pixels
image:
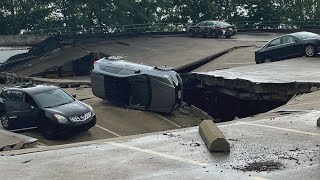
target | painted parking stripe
[
  {"x": 168, "y": 156},
  {"x": 107, "y": 130},
  {"x": 166, "y": 119},
  {"x": 279, "y": 128},
  {"x": 258, "y": 178}
]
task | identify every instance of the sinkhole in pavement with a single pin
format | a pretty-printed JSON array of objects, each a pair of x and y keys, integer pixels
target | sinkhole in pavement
[
  {"x": 225, "y": 107},
  {"x": 226, "y": 100}
]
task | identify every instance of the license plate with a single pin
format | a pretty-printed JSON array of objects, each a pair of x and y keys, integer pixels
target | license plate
[
  {"x": 230, "y": 29},
  {"x": 179, "y": 94}
]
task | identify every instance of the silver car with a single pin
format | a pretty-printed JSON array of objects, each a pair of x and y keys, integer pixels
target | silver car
[{"x": 137, "y": 86}]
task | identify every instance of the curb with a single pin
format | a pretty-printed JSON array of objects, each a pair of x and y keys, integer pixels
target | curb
[{"x": 213, "y": 137}]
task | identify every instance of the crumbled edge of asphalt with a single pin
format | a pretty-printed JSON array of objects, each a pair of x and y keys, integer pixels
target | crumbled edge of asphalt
[{"x": 260, "y": 166}]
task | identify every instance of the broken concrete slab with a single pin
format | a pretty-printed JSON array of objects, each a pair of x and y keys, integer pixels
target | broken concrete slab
[
  {"x": 13, "y": 141},
  {"x": 213, "y": 137},
  {"x": 11, "y": 78}
]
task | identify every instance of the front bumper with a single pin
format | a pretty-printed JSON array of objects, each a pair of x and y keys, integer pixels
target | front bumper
[{"x": 70, "y": 128}]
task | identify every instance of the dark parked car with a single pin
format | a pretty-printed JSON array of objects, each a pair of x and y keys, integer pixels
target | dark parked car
[
  {"x": 51, "y": 109},
  {"x": 289, "y": 46},
  {"x": 213, "y": 29},
  {"x": 137, "y": 86}
]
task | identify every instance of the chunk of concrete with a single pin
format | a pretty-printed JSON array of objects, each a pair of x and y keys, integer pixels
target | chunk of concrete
[
  {"x": 213, "y": 137},
  {"x": 318, "y": 122}
]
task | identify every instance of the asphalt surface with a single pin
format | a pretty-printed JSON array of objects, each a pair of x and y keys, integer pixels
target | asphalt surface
[
  {"x": 291, "y": 141},
  {"x": 292, "y": 70},
  {"x": 171, "y": 51},
  {"x": 236, "y": 58}
]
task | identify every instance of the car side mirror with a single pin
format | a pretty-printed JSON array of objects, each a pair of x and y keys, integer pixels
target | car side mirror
[{"x": 74, "y": 96}]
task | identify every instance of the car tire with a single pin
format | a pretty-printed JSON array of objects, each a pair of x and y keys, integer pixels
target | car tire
[
  {"x": 204, "y": 35},
  {"x": 213, "y": 34},
  {"x": 191, "y": 33},
  {"x": 267, "y": 60},
  {"x": 310, "y": 50},
  {"x": 227, "y": 36},
  {"x": 50, "y": 135},
  {"x": 47, "y": 132},
  {"x": 6, "y": 122}
]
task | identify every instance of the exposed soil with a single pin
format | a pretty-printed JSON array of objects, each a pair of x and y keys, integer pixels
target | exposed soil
[{"x": 260, "y": 166}]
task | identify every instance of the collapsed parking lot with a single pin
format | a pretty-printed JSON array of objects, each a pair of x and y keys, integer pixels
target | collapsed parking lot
[
  {"x": 175, "y": 51},
  {"x": 234, "y": 70}
]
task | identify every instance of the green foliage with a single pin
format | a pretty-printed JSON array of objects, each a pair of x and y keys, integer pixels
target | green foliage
[{"x": 32, "y": 15}]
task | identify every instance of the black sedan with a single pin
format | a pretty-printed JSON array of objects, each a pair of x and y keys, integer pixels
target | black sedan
[
  {"x": 51, "y": 109},
  {"x": 213, "y": 29},
  {"x": 289, "y": 46}
]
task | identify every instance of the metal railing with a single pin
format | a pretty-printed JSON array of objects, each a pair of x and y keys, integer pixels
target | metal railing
[
  {"x": 253, "y": 25},
  {"x": 132, "y": 28},
  {"x": 175, "y": 27}
]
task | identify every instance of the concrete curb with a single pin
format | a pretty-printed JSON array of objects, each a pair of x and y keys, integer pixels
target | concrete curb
[
  {"x": 14, "y": 141},
  {"x": 213, "y": 137}
]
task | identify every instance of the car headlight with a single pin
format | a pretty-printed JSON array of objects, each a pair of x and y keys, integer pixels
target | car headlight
[
  {"x": 61, "y": 119},
  {"x": 92, "y": 111}
]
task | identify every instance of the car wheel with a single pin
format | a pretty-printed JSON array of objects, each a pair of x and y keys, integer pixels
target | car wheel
[
  {"x": 213, "y": 34},
  {"x": 6, "y": 122},
  {"x": 47, "y": 132},
  {"x": 310, "y": 50},
  {"x": 227, "y": 36},
  {"x": 267, "y": 60},
  {"x": 50, "y": 135},
  {"x": 204, "y": 35},
  {"x": 191, "y": 33}
]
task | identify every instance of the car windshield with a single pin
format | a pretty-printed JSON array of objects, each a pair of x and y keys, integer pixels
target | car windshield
[
  {"x": 53, "y": 98},
  {"x": 305, "y": 35}
]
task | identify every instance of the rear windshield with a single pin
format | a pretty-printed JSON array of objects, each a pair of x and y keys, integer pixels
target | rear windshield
[
  {"x": 53, "y": 98},
  {"x": 305, "y": 35}
]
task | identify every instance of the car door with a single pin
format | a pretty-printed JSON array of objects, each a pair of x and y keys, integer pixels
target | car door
[
  {"x": 209, "y": 27},
  {"x": 20, "y": 113},
  {"x": 291, "y": 46},
  {"x": 275, "y": 50},
  {"x": 202, "y": 28}
]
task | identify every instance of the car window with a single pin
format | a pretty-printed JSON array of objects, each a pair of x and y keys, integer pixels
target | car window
[
  {"x": 202, "y": 23},
  {"x": 220, "y": 23},
  {"x": 210, "y": 23},
  {"x": 14, "y": 95},
  {"x": 28, "y": 99},
  {"x": 275, "y": 42},
  {"x": 288, "y": 39}
]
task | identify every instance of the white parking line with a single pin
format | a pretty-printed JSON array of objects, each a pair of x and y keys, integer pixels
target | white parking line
[
  {"x": 107, "y": 130},
  {"x": 258, "y": 178},
  {"x": 168, "y": 156},
  {"x": 279, "y": 128},
  {"x": 176, "y": 125}
]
